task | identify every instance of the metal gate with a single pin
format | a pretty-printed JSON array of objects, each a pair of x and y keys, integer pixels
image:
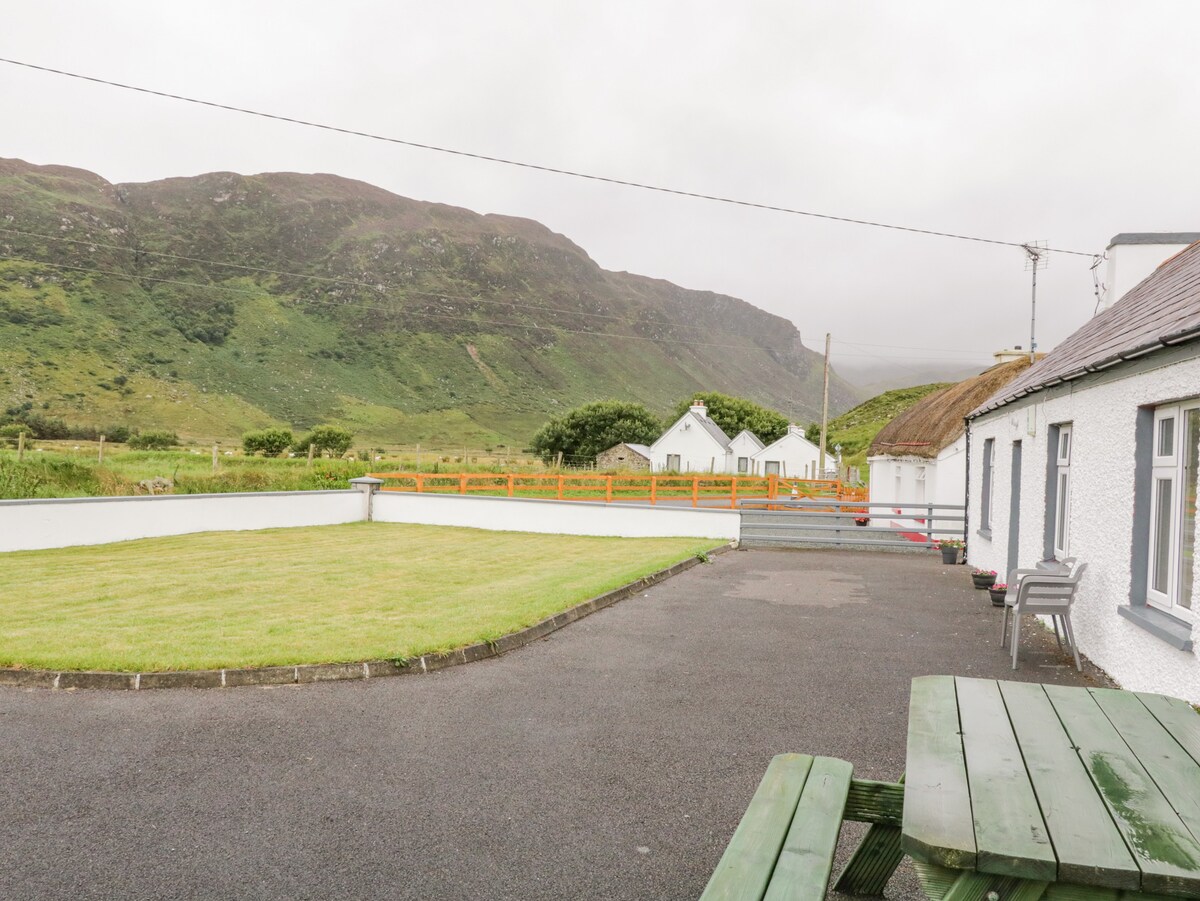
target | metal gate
[{"x": 829, "y": 523}]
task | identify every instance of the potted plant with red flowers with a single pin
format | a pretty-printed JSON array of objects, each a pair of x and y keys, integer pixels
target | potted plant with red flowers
[
  {"x": 998, "y": 590},
  {"x": 983, "y": 578},
  {"x": 952, "y": 549}
]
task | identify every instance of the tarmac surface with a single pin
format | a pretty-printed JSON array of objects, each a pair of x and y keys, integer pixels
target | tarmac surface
[{"x": 611, "y": 760}]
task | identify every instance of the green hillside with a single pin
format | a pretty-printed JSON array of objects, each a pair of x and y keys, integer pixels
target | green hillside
[
  {"x": 855, "y": 429},
  {"x": 220, "y": 303}
]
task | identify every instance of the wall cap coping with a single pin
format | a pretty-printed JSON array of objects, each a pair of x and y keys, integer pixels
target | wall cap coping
[
  {"x": 28, "y": 501},
  {"x": 616, "y": 505}
]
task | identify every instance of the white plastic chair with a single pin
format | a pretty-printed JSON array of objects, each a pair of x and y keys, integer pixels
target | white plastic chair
[{"x": 1041, "y": 593}]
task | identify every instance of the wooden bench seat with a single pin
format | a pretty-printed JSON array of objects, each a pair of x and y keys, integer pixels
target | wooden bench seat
[{"x": 783, "y": 847}]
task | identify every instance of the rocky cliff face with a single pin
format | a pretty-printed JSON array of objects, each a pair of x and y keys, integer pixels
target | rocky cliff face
[{"x": 224, "y": 302}]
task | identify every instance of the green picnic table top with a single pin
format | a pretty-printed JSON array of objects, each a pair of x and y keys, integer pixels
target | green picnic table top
[{"x": 1047, "y": 784}]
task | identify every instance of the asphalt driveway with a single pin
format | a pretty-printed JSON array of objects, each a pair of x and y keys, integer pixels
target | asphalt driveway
[{"x": 611, "y": 760}]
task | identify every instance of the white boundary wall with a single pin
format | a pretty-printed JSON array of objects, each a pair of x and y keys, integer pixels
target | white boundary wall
[
  {"x": 63, "y": 522},
  {"x": 506, "y": 514}
]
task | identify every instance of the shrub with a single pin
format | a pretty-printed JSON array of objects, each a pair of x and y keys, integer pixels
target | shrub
[
  {"x": 323, "y": 438},
  {"x": 270, "y": 442},
  {"x": 153, "y": 440}
]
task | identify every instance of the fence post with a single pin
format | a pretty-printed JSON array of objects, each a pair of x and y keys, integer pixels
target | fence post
[
  {"x": 772, "y": 486},
  {"x": 560, "y": 487},
  {"x": 215, "y": 457},
  {"x": 653, "y": 490},
  {"x": 608, "y": 495},
  {"x": 100, "y": 456},
  {"x": 929, "y": 525},
  {"x": 733, "y": 493},
  {"x": 695, "y": 491},
  {"x": 462, "y": 483},
  {"x": 20, "y": 446},
  {"x": 510, "y": 484}
]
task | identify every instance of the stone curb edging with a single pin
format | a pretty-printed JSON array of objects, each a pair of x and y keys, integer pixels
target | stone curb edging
[{"x": 330, "y": 672}]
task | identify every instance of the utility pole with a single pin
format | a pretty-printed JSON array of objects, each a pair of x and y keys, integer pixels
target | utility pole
[
  {"x": 1036, "y": 258},
  {"x": 824, "y": 410}
]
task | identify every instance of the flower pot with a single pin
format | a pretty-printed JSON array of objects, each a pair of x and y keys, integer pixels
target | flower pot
[
  {"x": 997, "y": 595},
  {"x": 983, "y": 581},
  {"x": 951, "y": 555},
  {"x": 861, "y": 522}
]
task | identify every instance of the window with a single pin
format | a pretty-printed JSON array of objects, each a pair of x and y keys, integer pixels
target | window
[
  {"x": 985, "y": 507},
  {"x": 743, "y": 464},
  {"x": 673, "y": 462},
  {"x": 771, "y": 468},
  {"x": 1062, "y": 493},
  {"x": 898, "y": 472},
  {"x": 1172, "y": 539},
  {"x": 920, "y": 494}
]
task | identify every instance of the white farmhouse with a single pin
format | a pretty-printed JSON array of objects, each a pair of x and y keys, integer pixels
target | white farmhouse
[
  {"x": 693, "y": 444},
  {"x": 741, "y": 453},
  {"x": 1093, "y": 453},
  {"x": 793, "y": 456},
  {"x": 920, "y": 457}
]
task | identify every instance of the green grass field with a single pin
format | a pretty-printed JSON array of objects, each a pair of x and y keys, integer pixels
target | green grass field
[{"x": 363, "y": 591}]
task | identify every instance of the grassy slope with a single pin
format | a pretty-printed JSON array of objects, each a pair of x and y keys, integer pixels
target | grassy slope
[
  {"x": 417, "y": 362},
  {"x": 857, "y": 428},
  {"x": 285, "y": 596}
]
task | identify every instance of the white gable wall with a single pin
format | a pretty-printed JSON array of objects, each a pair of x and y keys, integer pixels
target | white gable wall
[
  {"x": 798, "y": 457},
  {"x": 697, "y": 449},
  {"x": 744, "y": 445},
  {"x": 1102, "y": 412}
]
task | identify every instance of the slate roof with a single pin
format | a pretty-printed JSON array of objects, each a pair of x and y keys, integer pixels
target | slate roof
[
  {"x": 713, "y": 429},
  {"x": 1160, "y": 311},
  {"x": 639, "y": 449},
  {"x": 752, "y": 437}
]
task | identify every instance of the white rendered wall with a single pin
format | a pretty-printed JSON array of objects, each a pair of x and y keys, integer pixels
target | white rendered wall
[
  {"x": 1129, "y": 264},
  {"x": 505, "y": 514},
  {"x": 697, "y": 450},
  {"x": 1101, "y": 516},
  {"x": 798, "y": 457},
  {"x": 744, "y": 446},
  {"x": 35, "y": 524}
]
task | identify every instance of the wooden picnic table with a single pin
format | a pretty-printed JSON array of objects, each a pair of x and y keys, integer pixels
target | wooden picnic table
[{"x": 1017, "y": 791}]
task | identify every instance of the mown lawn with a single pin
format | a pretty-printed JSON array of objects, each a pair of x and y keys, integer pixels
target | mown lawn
[{"x": 362, "y": 591}]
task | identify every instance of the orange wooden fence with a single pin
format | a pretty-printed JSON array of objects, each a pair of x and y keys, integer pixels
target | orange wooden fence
[{"x": 708, "y": 491}]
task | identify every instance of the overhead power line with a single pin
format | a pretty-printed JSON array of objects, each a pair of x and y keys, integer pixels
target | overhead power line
[{"x": 525, "y": 165}]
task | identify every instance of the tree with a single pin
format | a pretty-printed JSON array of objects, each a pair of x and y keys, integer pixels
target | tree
[
  {"x": 733, "y": 414},
  {"x": 272, "y": 442},
  {"x": 323, "y": 438},
  {"x": 592, "y": 428},
  {"x": 153, "y": 440}
]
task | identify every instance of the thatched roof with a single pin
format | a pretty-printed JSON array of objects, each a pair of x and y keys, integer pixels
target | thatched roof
[{"x": 936, "y": 421}]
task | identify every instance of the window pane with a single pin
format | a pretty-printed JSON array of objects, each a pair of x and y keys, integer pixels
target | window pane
[
  {"x": 1060, "y": 512},
  {"x": 1160, "y": 565},
  {"x": 1166, "y": 437},
  {"x": 1064, "y": 445},
  {"x": 1187, "y": 547}
]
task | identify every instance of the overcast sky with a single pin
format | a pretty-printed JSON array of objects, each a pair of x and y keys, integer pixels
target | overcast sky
[{"x": 1066, "y": 121}]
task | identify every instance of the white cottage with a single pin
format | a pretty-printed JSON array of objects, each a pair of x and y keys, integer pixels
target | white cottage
[
  {"x": 793, "y": 456},
  {"x": 693, "y": 444},
  {"x": 741, "y": 453},
  {"x": 1093, "y": 453}
]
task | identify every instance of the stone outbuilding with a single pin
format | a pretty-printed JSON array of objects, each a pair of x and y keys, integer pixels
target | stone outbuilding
[{"x": 624, "y": 456}]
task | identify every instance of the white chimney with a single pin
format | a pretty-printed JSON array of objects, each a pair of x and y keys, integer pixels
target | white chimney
[
  {"x": 1134, "y": 255},
  {"x": 1009, "y": 354},
  {"x": 698, "y": 408}
]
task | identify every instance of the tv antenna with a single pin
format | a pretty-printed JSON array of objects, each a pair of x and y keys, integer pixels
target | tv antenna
[{"x": 1036, "y": 257}]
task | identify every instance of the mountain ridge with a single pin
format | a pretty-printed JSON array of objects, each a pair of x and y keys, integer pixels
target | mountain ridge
[{"x": 228, "y": 302}]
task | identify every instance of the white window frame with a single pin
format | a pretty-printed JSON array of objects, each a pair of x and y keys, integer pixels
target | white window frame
[
  {"x": 678, "y": 467},
  {"x": 1062, "y": 492},
  {"x": 770, "y": 467},
  {"x": 1169, "y": 465},
  {"x": 989, "y": 479},
  {"x": 920, "y": 484},
  {"x": 743, "y": 465},
  {"x": 899, "y": 484}
]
